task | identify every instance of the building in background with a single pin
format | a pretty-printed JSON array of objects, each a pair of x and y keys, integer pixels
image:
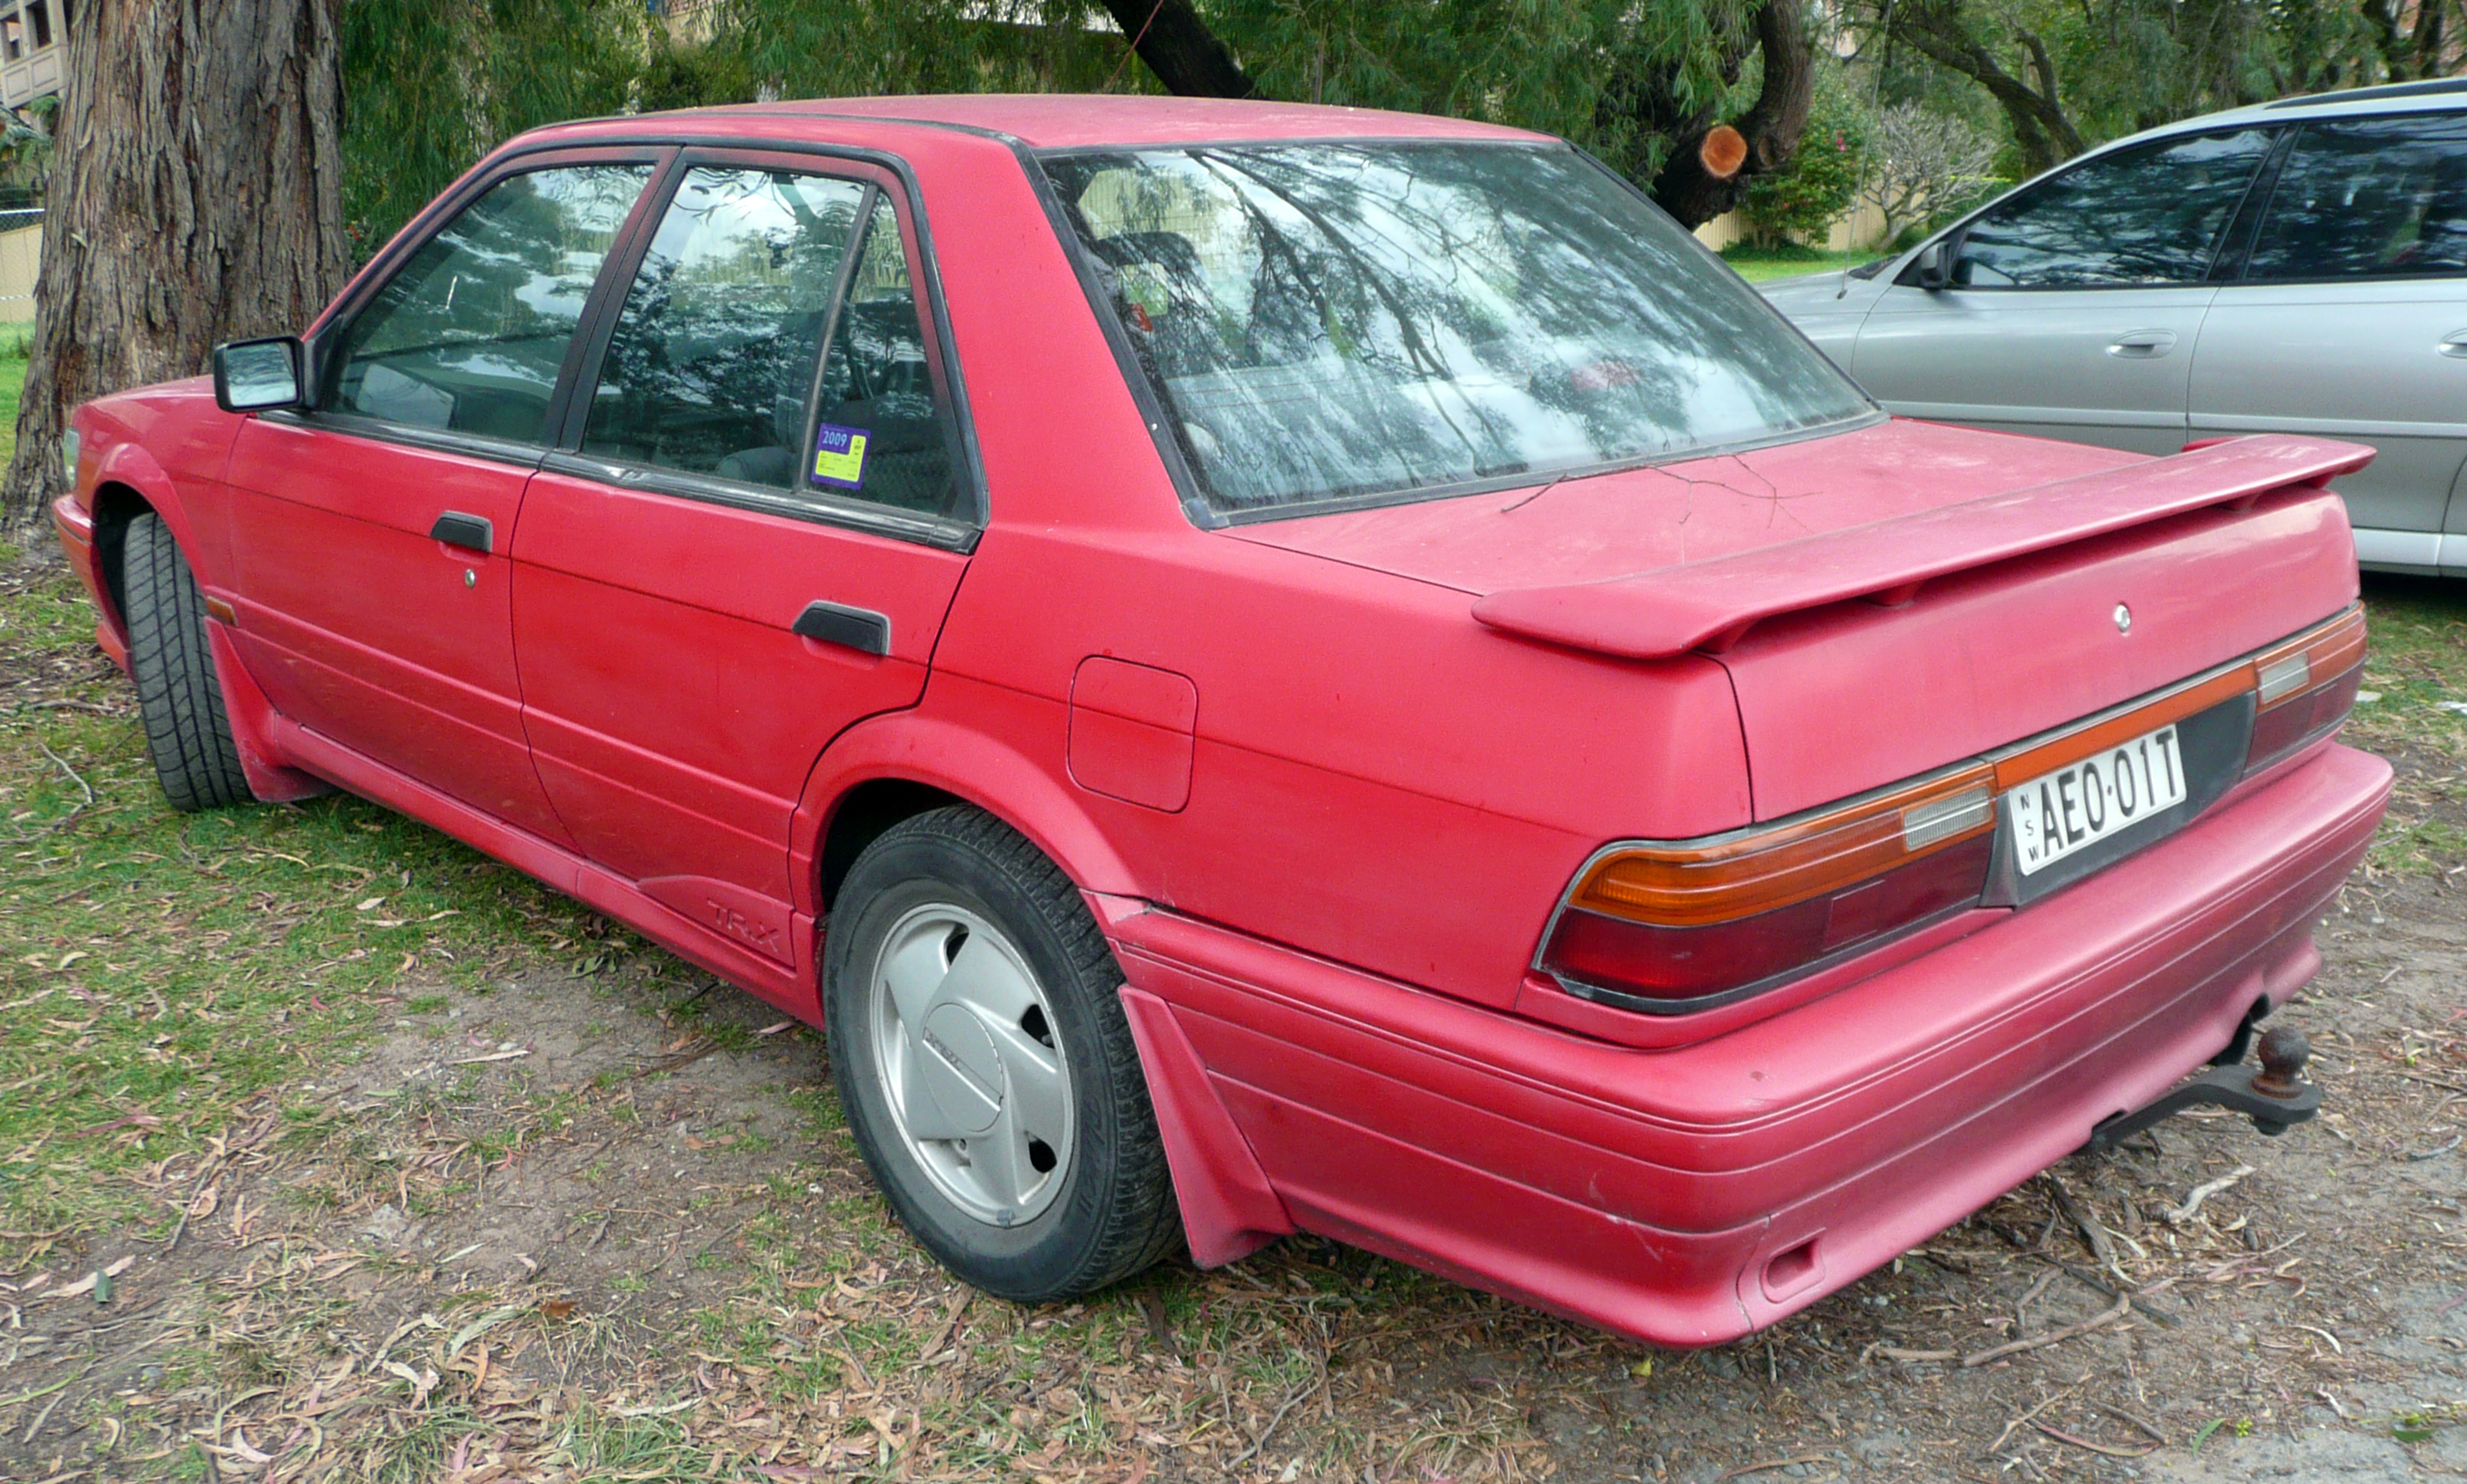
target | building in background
[
  {"x": 33, "y": 58},
  {"x": 34, "y": 50}
]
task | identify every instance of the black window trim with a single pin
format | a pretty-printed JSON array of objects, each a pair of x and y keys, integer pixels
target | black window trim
[
  {"x": 1955, "y": 236},
  {"x": 670, "y": 153},
  {"x": 2295, "y": 128},
  {"x": 814, "y": 508},
  {"x": 1161, "y": 424}
]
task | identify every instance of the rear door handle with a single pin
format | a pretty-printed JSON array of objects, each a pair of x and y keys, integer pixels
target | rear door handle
[
  {"x": 2143, "y": 344},
  {"x": 860, "y": 629},
  {"x": 2454, "y": 345},
  {"x": 470, "y": 532}
]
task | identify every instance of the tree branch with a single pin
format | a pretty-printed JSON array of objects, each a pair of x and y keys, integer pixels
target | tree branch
[
  {"x": 1772, "y": 126},
  {"x": 1178, "y": 46}
]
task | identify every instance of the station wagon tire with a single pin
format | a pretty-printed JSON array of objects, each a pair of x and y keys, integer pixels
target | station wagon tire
[
  {"x": 179, "y": 694},
  {"x": 961, "y": 962}
]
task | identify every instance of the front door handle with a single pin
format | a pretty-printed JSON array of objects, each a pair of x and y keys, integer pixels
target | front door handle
[
  {"x": 860, "y": 629},
  {"x": 470, "y": 532},
  {"x": 2143, "y": 344},
  {"x": 2454, "y": 345}
]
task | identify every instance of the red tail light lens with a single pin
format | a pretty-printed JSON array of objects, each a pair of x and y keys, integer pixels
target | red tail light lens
[
  {"x": 1649, "y": 967},
  {"x": 1671, "y": 927},
  {"x": 1681, "y": 927},
  {"x": 2305, "y": 688}
]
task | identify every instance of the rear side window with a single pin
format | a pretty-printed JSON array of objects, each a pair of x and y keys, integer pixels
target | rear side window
[
  {"x": 710, "y": 368},
  {"x": 2149, "y": 215},
  {"x": 716, "y": 366},
  {"x": 2368, "y": 198},
  {"x": 878, "y": 429},
  {"x": 470, "y": 333}
]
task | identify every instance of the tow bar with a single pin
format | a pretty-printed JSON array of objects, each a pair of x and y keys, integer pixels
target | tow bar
[{"x": 2273, "y": 1095}]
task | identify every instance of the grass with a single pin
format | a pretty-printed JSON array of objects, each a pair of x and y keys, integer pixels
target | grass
[
  {"x": 1756, "y": 264},
  {"x": 2417, "y": 663}
]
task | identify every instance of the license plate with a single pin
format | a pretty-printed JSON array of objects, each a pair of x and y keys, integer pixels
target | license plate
[{"x": 2072, "y": 808}]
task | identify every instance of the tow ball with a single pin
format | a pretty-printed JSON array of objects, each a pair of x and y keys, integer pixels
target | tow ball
[{"x": 2275, "y": 1095}]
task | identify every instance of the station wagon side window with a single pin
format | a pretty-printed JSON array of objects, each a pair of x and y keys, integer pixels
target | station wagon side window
[
  {"x": 2368, "y": 198},
  {"x": 2151, "y": 215},
  {"x": 713, "y": 367},
  {"x": 470, "y": 335}
]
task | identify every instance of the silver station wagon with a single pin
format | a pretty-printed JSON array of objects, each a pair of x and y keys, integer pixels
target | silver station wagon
[{"x": 2295, "y": 267}]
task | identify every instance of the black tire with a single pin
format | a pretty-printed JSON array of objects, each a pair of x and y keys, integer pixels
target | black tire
[
  {"x": 1114, "y": 1213},
  {"x": 179, "y": 697}
]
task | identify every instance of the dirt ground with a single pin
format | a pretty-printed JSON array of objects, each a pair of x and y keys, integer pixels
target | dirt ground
[{"x": 544, "y": 1225}]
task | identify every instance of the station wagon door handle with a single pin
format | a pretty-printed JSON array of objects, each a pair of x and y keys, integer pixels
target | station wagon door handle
[
  {"x": 470, "y": 532},
  {"x": 2143, "y": 344},
  {"x": 2454, "y": 345},
  {"x": 860, "y": 629}
]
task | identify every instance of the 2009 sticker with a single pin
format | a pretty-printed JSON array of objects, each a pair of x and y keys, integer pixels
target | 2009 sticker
[{"x": 839, "y": 457}]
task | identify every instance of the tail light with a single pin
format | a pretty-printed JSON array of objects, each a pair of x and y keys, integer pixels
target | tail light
[
  {"x": 1683, "y": 927},
  {"x": 2305, "y": 688},
  {"x": 1676, "y": 927}
]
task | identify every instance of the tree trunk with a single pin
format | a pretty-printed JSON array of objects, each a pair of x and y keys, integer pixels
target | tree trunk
[
  {"x": 196, "y": 197},
  {"x": 1694, "y": 194},
  {"x": 1179, "y": 48}
]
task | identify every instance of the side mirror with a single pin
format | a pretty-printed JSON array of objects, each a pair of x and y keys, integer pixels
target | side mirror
[
  {"x": 1933, "y": 268},
  {"x": 252, "y": 375}
]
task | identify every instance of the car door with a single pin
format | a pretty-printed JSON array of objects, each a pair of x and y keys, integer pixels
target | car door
[
  {"x": 746, "y": 546},
  {"x": 2350, "y": 320},
  {"x": 2071, "y": 307},
  {"x": 368, "y": 533}
]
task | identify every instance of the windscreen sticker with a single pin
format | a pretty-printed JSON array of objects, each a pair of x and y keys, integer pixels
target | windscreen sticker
[{"x": 839, "y": 457}]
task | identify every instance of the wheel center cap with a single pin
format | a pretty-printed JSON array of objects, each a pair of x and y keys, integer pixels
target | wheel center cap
[{"x": 962, "y": 1068}]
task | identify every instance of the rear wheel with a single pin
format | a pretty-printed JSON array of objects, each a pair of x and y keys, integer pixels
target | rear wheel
[
  {"x": 982, "y": 1056},
  {"x": 178, "y": 695}
]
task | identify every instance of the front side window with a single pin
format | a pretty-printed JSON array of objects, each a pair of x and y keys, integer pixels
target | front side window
[
  {"x": 2368, "y": 198},
  {"x": 470, "y": 333},
  {"x": 712, "y": 365},
  {"x": 1329, "y": 324},
  {"x": 2143, "y": 216}
]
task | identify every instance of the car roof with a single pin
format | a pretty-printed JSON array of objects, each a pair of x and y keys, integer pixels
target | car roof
[
  {"x": 1048, "y": 121},
  {"x": 2440, "y": 94}
]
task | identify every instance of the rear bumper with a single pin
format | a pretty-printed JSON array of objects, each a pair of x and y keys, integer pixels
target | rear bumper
[
  {"x": 1689, "y": 1196},
  {"x": 75, "y": 526}
]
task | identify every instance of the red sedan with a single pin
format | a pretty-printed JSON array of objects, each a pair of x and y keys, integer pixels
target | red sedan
[{"x": 1272, "y": 668}]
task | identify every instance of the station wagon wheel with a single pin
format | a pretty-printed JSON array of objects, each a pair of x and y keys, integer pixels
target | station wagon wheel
[{"x": 978, "y": 1040}]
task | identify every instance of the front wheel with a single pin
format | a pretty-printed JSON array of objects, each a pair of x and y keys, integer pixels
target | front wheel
[
  {"x": 179, "y": 694},
  {"x": 978, "y": 1040}
]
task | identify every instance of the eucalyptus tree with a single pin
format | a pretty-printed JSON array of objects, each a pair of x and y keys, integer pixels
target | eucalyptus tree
[{"x": 195, "y": 198}]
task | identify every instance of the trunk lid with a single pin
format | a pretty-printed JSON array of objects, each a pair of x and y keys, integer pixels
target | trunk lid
[{"x": 1897, "y": 598}]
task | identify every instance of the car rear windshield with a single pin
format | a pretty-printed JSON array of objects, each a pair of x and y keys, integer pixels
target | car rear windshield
[{"x": 1334, "y": 324}]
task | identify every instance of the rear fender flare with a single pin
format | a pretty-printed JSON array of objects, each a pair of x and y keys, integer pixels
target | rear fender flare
[{"x": 967, "y": 764}]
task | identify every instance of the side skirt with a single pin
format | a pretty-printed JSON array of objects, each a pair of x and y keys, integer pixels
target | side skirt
[{"x": 792, "y": 987}]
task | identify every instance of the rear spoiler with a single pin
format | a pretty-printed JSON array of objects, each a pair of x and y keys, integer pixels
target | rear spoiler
[{"x": 1710, "y": 604}]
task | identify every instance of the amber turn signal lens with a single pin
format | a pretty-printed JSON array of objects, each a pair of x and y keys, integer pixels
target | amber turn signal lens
[{"x": 1728, "y": 878}]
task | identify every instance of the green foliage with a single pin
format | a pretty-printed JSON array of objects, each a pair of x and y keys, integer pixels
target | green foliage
[
  {"x": 428, "y": 89},
  {"x": 858, "y": 47},
  {"x": 1822, "y": 179}
]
